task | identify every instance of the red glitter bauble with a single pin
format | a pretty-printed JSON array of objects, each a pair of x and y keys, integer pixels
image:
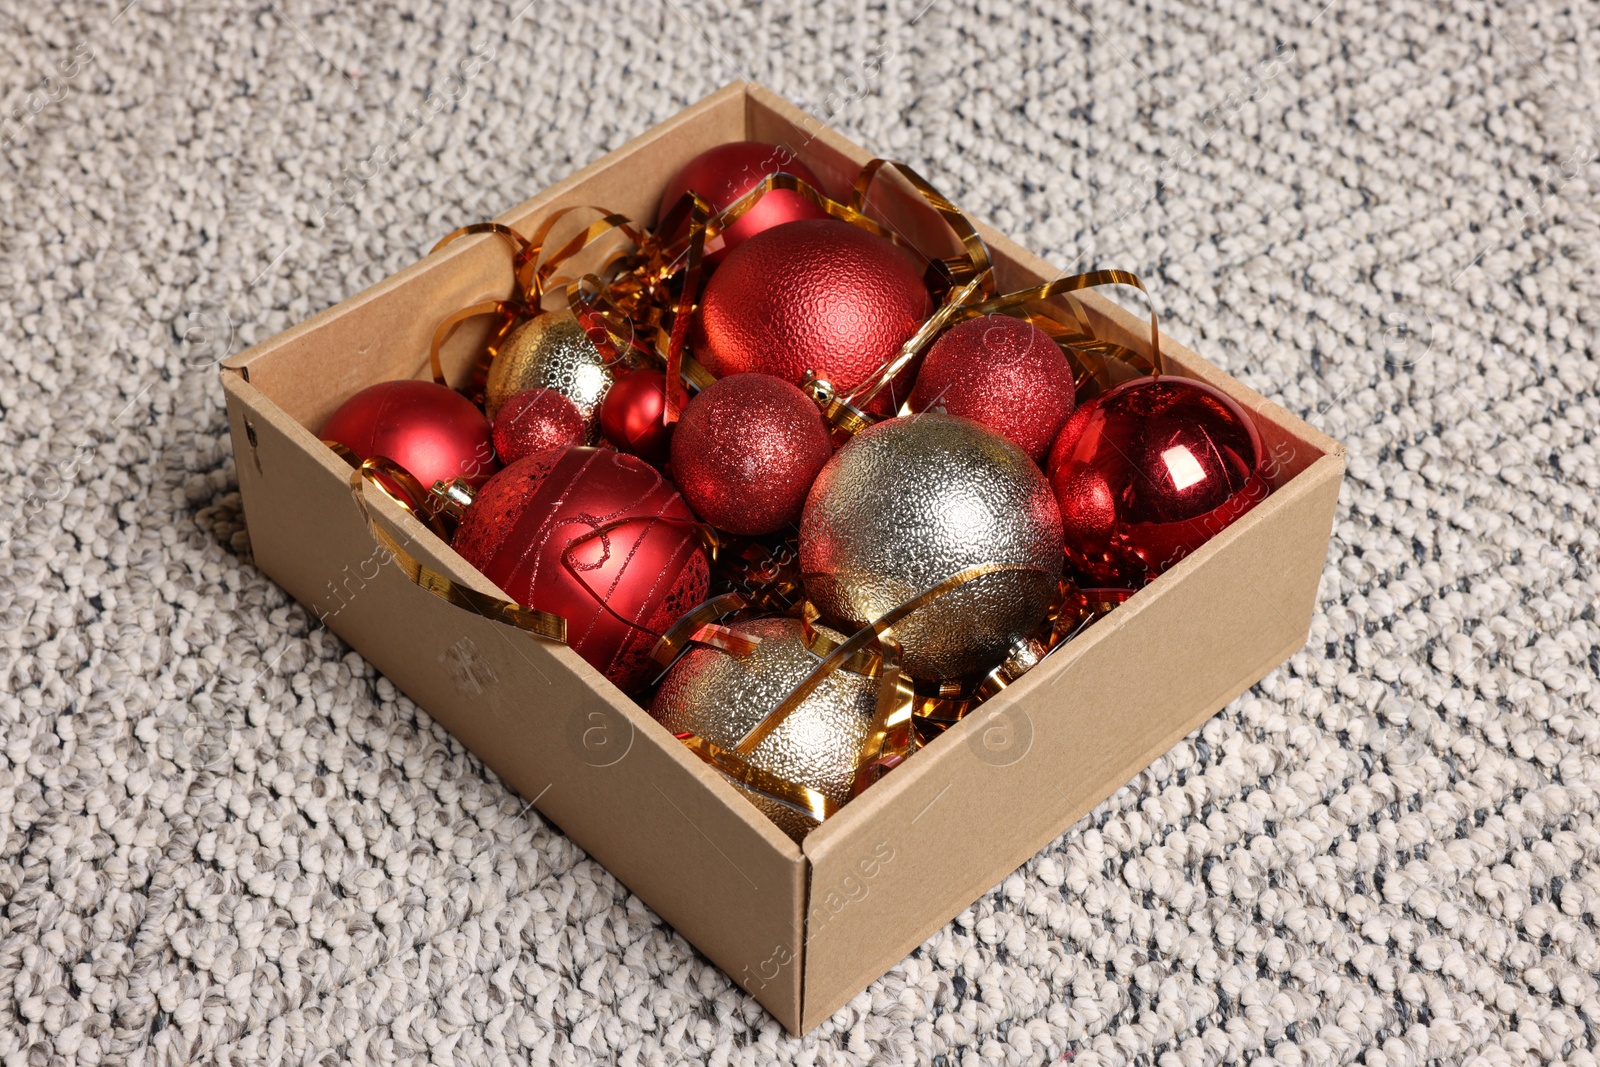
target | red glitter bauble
[
  {"x": 534, "y": 421},
  {"x": 631, "y": 415},
  {"x": 723, "y": 174},
  {"x": 820, "y": 295},
  {"x": 597, "y": 537},
  {"x": 746, "y": 452},
  {"x": 1004, "y": 373},
  {"x": 431, "y": 430},
  {"x": 1148, "y": 471}
]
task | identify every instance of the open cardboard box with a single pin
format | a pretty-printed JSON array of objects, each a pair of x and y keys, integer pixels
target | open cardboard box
[{"x": 802, "y": 928}]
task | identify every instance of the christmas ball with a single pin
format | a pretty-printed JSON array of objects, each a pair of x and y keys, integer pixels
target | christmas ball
[
  {"x": 722, "y": 697},
  {"x": 1004, "y": 373},
  {"x": 723, "y": 174},
  {"x": 631, "y": 415},
  {"x": 551, "y": 351},
  {"x": 431, "y": 430},
  {"x": 1148, "y": 471},
  {"x": 819, "y": 295},
  {"x": 597, "y": 537},
  {"x": 912, "y": 502},
  {"x": 534, "y": 421},
  {"x": 746, "y": 451}
]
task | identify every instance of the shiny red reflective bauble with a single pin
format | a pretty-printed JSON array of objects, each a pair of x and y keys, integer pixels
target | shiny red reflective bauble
[
  {"x": 746, "y": 452},
  {"x": 723, "y": 174},
  {"x": 820, "y": 295},
  {"x": 597, "y": 537},
  {"x": 1001, "y": 372},
  {"x": 534, "y": 421},
  {"x": 1148, "y": 471},
  {"x": 431, "y": 430},
  {"x": 631, "y": 415}
]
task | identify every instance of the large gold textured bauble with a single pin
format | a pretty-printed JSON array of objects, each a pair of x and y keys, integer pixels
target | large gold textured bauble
[
  {"x": 914, "y": 501},
  {"x": 551, "y": 352},
  {"x": 722, "y": 697}
]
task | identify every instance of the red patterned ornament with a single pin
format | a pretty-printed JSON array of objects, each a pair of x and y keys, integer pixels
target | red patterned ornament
[
  {"x": 746, "y": 452},
  {"x": 821, "y": 296},
  {"x": 1148, "y": 471},
  {"x": 597, "y": 537},
  {"x": 431, "y": 430},
  {"x": 631, "y": 415},
  {"x": 534, "y": 421},
  {"x": 723, "y": 174},
  {"x": 1004, "y": 373}
]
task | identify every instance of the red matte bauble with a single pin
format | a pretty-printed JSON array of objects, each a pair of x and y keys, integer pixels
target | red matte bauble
[
  {"x": 431, "y": 430},
  {"x": 1004, "y": 373},
  {"x": 534, "y": 421},
  {"x": 746, "y": 451},
  {"x": 820, "y": 295},
  {"x": 597, "y": 537},
  {"x": 631, "y": 415},
  {"x": 723, "y": 174},
  {"x": 1148, "y": 471}
]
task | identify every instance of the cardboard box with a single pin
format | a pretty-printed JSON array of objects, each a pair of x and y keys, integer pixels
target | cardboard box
[{"x": 803, "y": 929}]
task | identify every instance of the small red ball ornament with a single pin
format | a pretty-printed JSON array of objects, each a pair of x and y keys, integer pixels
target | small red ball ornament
[
  {"x": 1004, "y": 373},
  {"x": 723, "y": 174},
  {"x": 631, "y": 415},
  {"x": 1148, "y": 471},
  {"x": 431, "y": 430},
  {"x": 746, "y": 452},
  {"x": 819, "y": 295},
  {"x": 534, "y": 421},
  {"x": 597, "y": 537}
]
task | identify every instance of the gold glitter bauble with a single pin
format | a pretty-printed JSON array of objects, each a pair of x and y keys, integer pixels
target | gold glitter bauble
[
  {"x": 551, "y": 352},
  {"x": 722, "y": 697},
  {"x": 915, "y": 501}
]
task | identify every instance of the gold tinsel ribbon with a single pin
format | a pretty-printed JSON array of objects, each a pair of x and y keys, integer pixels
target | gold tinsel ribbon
[
  {"x": 539, "y": 623},
  {"x": 871, "y": 634},
  {"x": 630, "y": 298},
  {"x": 1078, "y": 337}
]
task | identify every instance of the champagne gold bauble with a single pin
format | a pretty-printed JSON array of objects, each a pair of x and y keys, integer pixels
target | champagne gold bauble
[
  {"x": 551, "y": 352},
  {"x": 915, "y": 501},
  {"x": 722, "y": 697}
]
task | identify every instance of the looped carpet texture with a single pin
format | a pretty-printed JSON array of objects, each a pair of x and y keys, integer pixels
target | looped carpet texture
[{"x": 224, "y": 838}]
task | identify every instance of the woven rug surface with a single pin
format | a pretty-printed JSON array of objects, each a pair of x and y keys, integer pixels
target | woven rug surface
[{"x": 225, "y": 838}]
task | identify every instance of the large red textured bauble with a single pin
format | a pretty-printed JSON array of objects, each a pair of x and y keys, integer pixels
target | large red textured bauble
[
  {"x": 534, "y": 421},
  {"x": 631, "y": 415},
  {"x": 1148, "y": 471},
  {"x": 819, "y": 295},
  {"x": 746, "y": 452},
  {"x": 431, "y": 430},
  {"x": 723, "y": 174},
  {"x": 597, "y": 537},
  {"x": 1001, "y": 372}
]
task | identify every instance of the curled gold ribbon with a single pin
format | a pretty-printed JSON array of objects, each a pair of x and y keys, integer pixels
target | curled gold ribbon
[
  {"x": 799, "y": 798},
  {"x": 539, "y": 623},
  {"x": 1084, "y": 338},
  {"x": 686, "y": 630},
  {"x": 859, "y": 640}
]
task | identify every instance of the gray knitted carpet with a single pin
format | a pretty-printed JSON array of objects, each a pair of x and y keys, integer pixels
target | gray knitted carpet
[{"x": 224, "y": 838}]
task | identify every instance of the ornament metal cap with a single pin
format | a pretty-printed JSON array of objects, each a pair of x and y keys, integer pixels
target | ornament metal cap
[{"x": 1024, "y": 655}]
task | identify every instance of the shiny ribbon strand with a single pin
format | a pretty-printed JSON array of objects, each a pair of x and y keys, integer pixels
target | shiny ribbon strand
[
  {"x": 541, "y": 624},
  {"x": 859, "y": 640}
]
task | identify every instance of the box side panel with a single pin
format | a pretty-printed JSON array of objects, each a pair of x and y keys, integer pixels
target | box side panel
[
  {"x": 923, "y": 844},
  {"x": 541, "y": 718}
]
